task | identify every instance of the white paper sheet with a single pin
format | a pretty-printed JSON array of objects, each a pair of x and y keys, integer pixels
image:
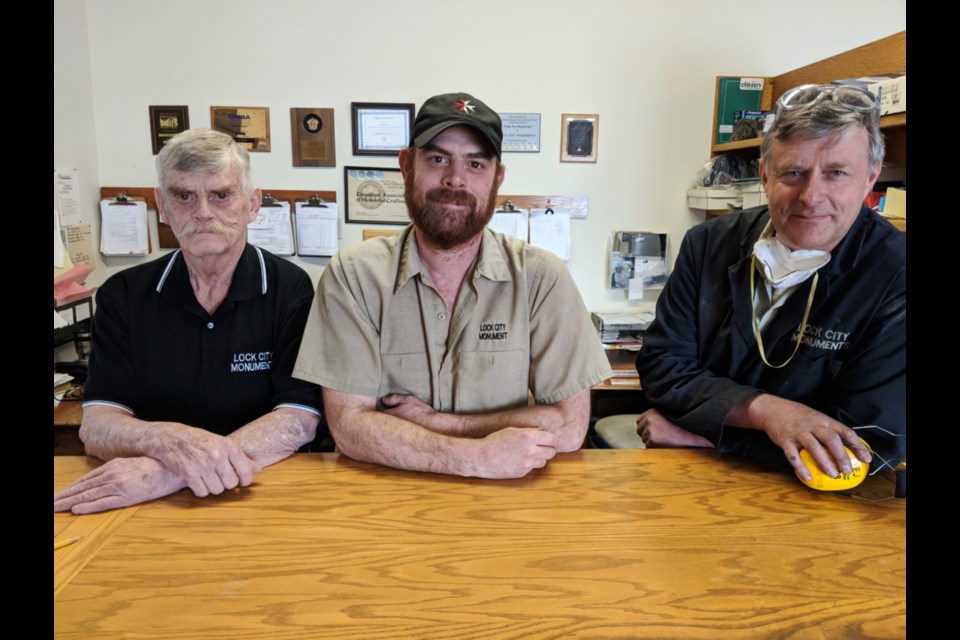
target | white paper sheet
[
  {"x": 512, "y": 224},
  {"x": 551, "y": 231},
  {"x": 317, "y": 229},
  {"x": 123, "y": 228},
  {"x": 273, "y": 230},
  {"x": 68, "y": 196}
]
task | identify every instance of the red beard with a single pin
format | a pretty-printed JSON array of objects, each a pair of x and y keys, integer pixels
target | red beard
[{"x": 444, "y": 227}]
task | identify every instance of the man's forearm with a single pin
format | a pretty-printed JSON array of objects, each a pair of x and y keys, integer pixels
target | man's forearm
[
  {"x": 276, "y": 435},
  {"x": 209, "y": 463},
  {"x": 363, "y": 433},
  {"x": 373, "y": 436},
  {"x": 109, "y": 433},
  {"x": 567, "y": 419}
]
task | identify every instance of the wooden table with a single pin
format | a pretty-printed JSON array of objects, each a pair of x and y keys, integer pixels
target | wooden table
[{"x": 599, "y": 544}]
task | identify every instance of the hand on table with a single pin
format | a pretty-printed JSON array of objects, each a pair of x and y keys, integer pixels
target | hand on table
[
  {"x": 121, "y": 482},
  {"x": 207, "y": 462},
  {"x": 658, "y": 432},
  {"x": 793, "y": 426},
  {"x": 513, "y": 452}
]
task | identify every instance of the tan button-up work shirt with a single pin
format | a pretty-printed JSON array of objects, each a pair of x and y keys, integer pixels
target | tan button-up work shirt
[{"x": 378, "y": 326}]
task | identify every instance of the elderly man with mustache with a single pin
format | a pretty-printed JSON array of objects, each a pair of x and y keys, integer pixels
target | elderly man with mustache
[
  {"x": 427, "y": 343},
  {"x": 190, "y": 376}
]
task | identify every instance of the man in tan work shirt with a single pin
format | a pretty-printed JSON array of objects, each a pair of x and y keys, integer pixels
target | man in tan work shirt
[{"x": 426, "y": 343}]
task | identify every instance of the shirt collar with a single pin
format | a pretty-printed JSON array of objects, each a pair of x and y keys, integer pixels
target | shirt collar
[
  {"x": 249, "y": 277},
  {"x": 491, "y": 263}
]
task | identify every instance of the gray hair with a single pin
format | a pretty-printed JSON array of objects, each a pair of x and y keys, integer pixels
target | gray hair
[
  {"x": 821, "y": 120},
  {"x": 204, "y": 150}
]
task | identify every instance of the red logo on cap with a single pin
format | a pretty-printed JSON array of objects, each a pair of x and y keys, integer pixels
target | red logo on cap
[{"x": 464, "y": 106}]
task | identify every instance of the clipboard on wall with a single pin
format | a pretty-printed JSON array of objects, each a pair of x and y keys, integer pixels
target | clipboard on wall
[
  {"x": 273, "y": 228},
  {"x": 318, "y": 228},
  {"x": 511, "y": 221},
  {"x": 123, "y": 227}
]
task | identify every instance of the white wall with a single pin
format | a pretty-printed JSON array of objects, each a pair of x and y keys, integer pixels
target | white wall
[{"x": 647, "y": 68}]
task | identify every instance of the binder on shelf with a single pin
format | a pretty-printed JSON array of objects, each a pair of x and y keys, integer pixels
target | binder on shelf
[{"x": 735, "y": 94}]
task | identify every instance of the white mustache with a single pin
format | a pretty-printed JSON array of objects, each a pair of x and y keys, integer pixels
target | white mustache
[{"x": 208, "y": 227}]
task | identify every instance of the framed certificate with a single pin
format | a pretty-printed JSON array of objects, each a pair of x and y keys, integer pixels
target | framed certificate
[
  {"x": 578, "y": 138},
  {"x": 521, "y": 132},
  {"x": 381, "y": 129},
  {"x": 166, "y": 122},
  {"x": 374, "y": 195},
  {"x": 249, "y": 126}
]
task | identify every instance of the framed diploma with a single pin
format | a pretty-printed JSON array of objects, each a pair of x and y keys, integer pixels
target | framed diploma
[
  {"x": 313, "y": 142},
  {"x": 380, "y": 128},
  {"x": 166, "y": 122},
  {"x": 521, "y": 132},
  {"x": 249, "y": 126},
  {"x": 578, "y": 137},
  {"x": 374, "y": 195}
]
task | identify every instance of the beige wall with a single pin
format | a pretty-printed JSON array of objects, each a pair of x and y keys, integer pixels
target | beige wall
[{"x": 647, "y": 68}]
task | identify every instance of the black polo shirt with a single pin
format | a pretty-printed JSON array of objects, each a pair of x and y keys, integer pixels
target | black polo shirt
[{"x": 159, "y": 355}]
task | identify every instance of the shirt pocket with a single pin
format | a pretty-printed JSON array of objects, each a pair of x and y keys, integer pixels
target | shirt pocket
[
  {"x": 805, "y": 379},
  {"x": 491, "y": 381},
  {"x": 407, "y": 373}
]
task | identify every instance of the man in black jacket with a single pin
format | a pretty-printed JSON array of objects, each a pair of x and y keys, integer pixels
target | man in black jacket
[{"x": 784, "y": 327}]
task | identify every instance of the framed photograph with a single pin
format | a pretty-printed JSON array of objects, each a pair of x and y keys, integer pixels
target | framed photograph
[
  {"x": 166, "y": 122},
  {"x": 249, "y": 126},
  {"x": 313, "y": 141},
  {"x": 374, "y": 195},
  {"x": 381, "y": 128},
  {"x": 521, "y": 132},
  {"x": 578, "y": 137}
]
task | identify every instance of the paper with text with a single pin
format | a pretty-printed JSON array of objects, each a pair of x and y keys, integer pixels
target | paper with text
[
  {"x": 317, "y": 229},
  {"x": 273, "y": 230},
  {"x": 123, "y": 228},
  {"x": 68, "y": 195},
  {"x": 512, "y": 224},
  {"x": 550, "y": 229}
]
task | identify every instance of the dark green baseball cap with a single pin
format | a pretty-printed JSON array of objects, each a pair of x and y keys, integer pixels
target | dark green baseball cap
[{"x": 439, "y": 113}]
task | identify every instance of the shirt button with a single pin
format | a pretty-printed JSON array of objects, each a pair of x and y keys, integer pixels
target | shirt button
[
  {"x": 209, "y": 325},
  {"x": 441, "y": 316}
]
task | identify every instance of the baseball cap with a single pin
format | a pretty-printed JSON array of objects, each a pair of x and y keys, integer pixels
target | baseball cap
[{"x": 439, "y": 113}]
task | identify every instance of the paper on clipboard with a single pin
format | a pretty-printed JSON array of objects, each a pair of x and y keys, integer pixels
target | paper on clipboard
[
  {"x": 317, "y": 229},
  {"x": 123, "y": 228},
  {"x": 510, "y": 223},
  {"x": 550, "y": 229},
  {"x": 272, "y": 230}
]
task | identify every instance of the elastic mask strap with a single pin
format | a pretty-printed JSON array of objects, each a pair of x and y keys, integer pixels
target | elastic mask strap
[{"x": 756, "y": 323}]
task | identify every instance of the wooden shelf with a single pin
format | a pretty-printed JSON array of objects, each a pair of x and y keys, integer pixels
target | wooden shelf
[
  {"x": 892, "y": 121},
  {"x": 727, "y": 147}
]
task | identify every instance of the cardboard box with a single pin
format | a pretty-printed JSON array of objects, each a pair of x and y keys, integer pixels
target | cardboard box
[
  {"x": 753, "y": 195},
  {"x": 712, "y": 199},
  {"x": 892, "y": 93},
  {"x": 895, "y": 203},
  {"x": 890, "y": 88}
]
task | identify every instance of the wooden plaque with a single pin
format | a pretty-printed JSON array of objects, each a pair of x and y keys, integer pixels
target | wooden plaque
[{"x": 313, "y": 142}]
